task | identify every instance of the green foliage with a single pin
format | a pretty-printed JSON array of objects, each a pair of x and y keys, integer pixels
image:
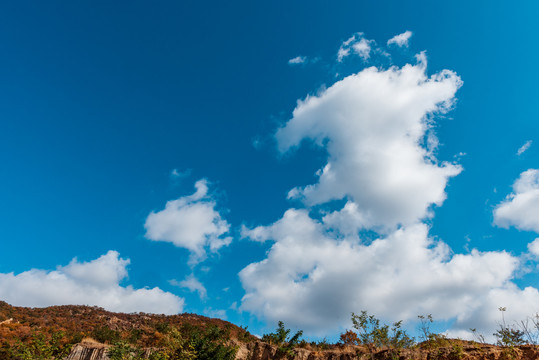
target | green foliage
[
  {"x": 189, "y": 343},
  {"x": 211, "y": 344},
  {"x": 429, "y": 339},
  {"x": 371, "y": 332},
  {"x": 105, "y": 334},
  {"x": 323, "y": 344},
  {"x": 122, "y": 350},
  {"x": 244, "y": 334},
  {"x": 175, "y": 347},
  {"x": 134, "y": 335},
  {"x": 506, "y": 335},
  {"x": 457, "y": 352},
  {"x": 42, "y": 348},
  {"x": 285, "y": 344},
  {"x": 5, "y": 349},
  {"x": 162, "y": 327}
]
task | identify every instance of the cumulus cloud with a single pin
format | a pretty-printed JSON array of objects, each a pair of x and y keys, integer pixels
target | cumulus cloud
[
  {"x": 297, "y": 60},
  {"x": 376, "y": 127},
  {"x": 373, "y": 125},
  {"x": 96, "y": 282},
  {"x": 521, "y": 208},
  {"x": 192, "y": 284},
  {"x": 357, "y": 44},
  {"x": 190, "y": 222},
  {"x": 312, "y": 280},
  {"x": 401, "y": 39},
  {"x": 524, "y": 147}
]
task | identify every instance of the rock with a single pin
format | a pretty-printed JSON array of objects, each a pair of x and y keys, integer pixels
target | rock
[{"x": 88, "y": 350}]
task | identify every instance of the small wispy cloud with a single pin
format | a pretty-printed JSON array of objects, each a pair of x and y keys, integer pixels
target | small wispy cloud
[
  {"x": 192, "y": 284},
  {"x": 401, "y": 39},
  {"x": 357, "y": 44},
  {"x": 524, "y": 147},
  {"x": 297, "y": 60},
  {"x": 177, "y": 174}
]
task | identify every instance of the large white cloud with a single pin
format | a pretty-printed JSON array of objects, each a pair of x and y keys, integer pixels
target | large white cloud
[
  {"x": 376, "y": 127},
  {"x": 373, "y": 125},
  {"x": 521, "y": 208},
  {"x": 313, "y": 281},
  {"x": 93, "y": 283},
  {"x": 190, "y": 222}
]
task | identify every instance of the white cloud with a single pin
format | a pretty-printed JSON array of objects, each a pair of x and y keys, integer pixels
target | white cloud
[
  {"x": 297, "y": 60},
  {"x": 401, "y": 39},
  {"x": 524, "y": 147},
  {"x": 376, "y": 127},
  {"x": 177, "y": 174},
  {"x": 521, "y": 208},
  {"x": 96, "y": 282},
  {"x": 192, "y": 284},
  {"x": 356, "y": 44},
  {"x": 190, "y": 222},
  {"x": 313, "y": 281},
  {"x": 533, "y": 247},
  {"x": 373, "y": 125}
]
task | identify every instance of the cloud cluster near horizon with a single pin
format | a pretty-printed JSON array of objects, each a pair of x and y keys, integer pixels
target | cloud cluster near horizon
[
  {"x": 96, "y": 282},
  {"x": 377, "y": 129}
]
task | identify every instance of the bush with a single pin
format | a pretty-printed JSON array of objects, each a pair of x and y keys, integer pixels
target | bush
[
  {"x": 506, "y": 335},
  {"x": 124, "y": 351},
  {"x": 211, "y": 344},
  {"x": 285, "y": 344},
  {"x": 349, "y": 338},
  {"x": 174, "y": 346},
  {"x": 371, "y": 332},
  {"x": 42, "y": 348},
  {"x": 105, "y": 334}
]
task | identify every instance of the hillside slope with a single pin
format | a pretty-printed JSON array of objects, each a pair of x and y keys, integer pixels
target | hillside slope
[{"x": 91, "y": 333}]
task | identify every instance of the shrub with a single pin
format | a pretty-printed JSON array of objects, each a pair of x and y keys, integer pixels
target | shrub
[
  {"x": 174, "y": 346},
  {"x": 211, "y": 343},
  {"x": 285, "y": 344},
  {"x": 349, "y": 338},
  {"x": 124, "y": 351},
  {"x": 506, "y": 335},
  {"x": 105, "y": 334},
  {"x": 39, "y": 347},
  {"x": 371, "y": 332}
]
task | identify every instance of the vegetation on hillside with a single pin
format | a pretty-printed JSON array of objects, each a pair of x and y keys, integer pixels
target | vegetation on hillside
[{"x": 50, "y": 333}]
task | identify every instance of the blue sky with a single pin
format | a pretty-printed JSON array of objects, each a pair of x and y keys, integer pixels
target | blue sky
[{"x": 109, "y": 112}]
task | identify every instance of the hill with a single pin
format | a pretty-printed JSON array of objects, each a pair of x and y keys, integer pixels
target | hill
[{"x": 92, "y": 333}]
